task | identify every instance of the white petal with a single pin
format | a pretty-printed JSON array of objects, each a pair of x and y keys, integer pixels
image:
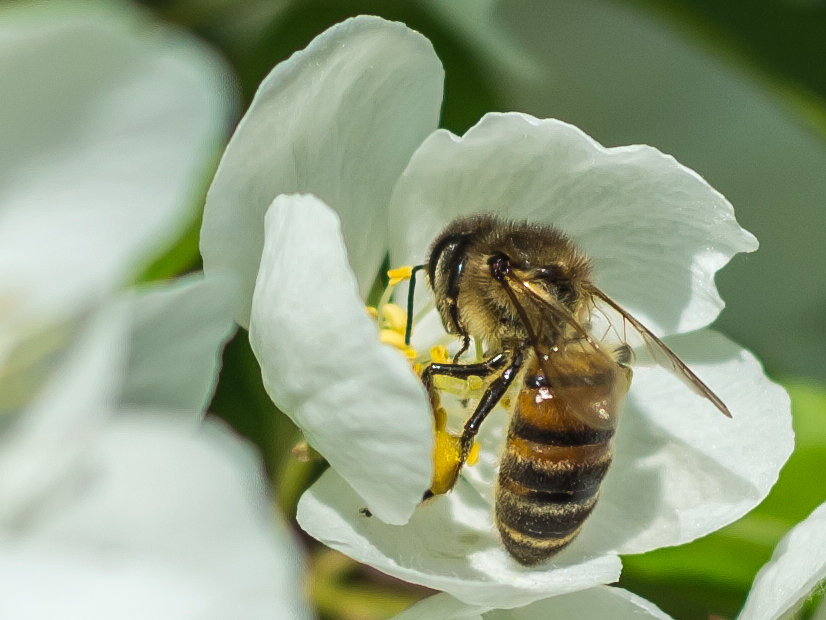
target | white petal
[
  {"x": 357, "y": 401},
  {"x": 106, "y": 125},
  {"x": 118, "y": 530},
  {"x": 449, "y": 544},
  {"x": 655, "y": 230},
  {"x": 71, "y": 406},
  {"x": 602, "y": 602},
  {"x": 682, "y": 470},
  {"x": 798, "y": 564},
  {"x": 714, "y": 111},
  {"x": 339, "y": 119},
  {"x": 151, "y": 513},
  {"x": 178, "y": 331},
  {"x": 596, "y": 603},
  {"x": 441, "y": 606}
]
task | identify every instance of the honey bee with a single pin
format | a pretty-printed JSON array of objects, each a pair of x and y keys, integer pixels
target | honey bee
[{"x": 525, "y": 292}]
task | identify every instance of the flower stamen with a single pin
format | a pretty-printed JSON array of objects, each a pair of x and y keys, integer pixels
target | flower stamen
[{"x": 447, "y": 446}]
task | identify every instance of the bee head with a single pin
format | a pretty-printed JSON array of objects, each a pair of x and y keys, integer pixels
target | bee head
[{"x": 479, "y": 266}]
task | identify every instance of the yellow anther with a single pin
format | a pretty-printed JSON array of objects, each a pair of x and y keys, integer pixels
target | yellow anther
[
  {"x": 474, "y": 382},
  {"x": 473, "y": 455},
  {"x": 392, "y": 337},
  {"x": 439, "y": 354},
  {"x": 395, "y": 339},
  {"x": 373, "y": 312},
  {"x": 399, "y": 274},
  {"x": 393, "y": 317},
  {"x": 446, "y": 453}
]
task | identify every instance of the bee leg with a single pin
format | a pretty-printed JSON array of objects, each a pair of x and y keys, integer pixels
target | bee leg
[
  {"x": 446, "y": 469},
  {"x": 624, "y": 355},
  {"x": 460, "y": 371},
  {"x": 496, "y": 390}
]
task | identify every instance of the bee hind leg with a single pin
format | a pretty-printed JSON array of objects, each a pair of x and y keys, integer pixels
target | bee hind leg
[
  {"x": 496, "y": 390},
  {"x": 452, "y": 452}
]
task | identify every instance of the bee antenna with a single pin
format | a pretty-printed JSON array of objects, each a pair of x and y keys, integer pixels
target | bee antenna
[{"x": 408, "y": 328}]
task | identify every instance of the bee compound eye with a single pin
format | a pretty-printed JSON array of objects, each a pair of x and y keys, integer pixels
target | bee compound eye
[
  {"x": 556, "y": 280},
  {"x": 499, "y": 265}
]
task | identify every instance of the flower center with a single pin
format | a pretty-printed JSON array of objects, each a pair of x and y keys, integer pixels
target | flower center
[{"x": 392, "y": 321}]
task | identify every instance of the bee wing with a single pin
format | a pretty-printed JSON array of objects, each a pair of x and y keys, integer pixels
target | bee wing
[
  {"x": 661, "y": 354},
  {"x": 580, "y": 373},
  {"x": 552, "y": 307}
]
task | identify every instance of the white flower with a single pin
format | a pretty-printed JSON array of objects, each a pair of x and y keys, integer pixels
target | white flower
[
  {"x": 797, "y": 567},
  {"x": 795, "y": 572},
  {"x": 334, "y": 125},
  {"x": 594, "y": 603},
  {"x": 646, "y": 76},
  {"x": 112, "y": 503}
]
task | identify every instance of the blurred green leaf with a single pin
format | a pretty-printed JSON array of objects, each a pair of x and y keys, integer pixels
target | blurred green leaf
[
  {"x": 183, "y": 257},
  {"x": 785, "y": 37},
  {"x": 714, "y": 574},
  {"x": 240, "y": 400}
]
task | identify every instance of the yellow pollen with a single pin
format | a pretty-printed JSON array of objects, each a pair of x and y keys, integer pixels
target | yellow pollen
[
  {"x": 399, "y": 274},
  {"x": 393, "y": 317},
  {"x": 473, "y": 456},
  {"x": 372, "y": 312},
  {"x": 446, "y": 454},
  {"x": 439, "y": 354},
  {"x": 392, "y": 337},
  {"x": 395, "y": 339},
  {"x": 474, "y": 382}
]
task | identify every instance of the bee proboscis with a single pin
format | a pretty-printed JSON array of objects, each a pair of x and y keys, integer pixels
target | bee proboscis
[{"x": 525, "y": 291}]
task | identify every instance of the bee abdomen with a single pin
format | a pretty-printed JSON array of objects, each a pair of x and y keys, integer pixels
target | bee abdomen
[{"x": 549, "y": 483}]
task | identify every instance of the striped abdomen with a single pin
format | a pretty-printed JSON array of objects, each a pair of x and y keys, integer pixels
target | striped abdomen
[{"x": 554, "y": 463}]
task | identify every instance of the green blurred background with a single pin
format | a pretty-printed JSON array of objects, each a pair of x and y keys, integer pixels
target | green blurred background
[{"x": 735, "y": 90}]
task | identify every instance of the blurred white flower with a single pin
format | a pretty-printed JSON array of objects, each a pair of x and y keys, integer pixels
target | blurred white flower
[
  {"x": 350, "y": 122},
  {"x": 106, "y": 124},
  {"x": 112, "y": 505},
  {"x": 108, "y": 512}
]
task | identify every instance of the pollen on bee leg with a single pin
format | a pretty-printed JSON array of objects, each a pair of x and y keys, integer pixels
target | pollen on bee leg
[
  {"x": 446, "y": 456},
  {"x": 473, "y": 455},
  {"x": 474, "y": 382}
]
